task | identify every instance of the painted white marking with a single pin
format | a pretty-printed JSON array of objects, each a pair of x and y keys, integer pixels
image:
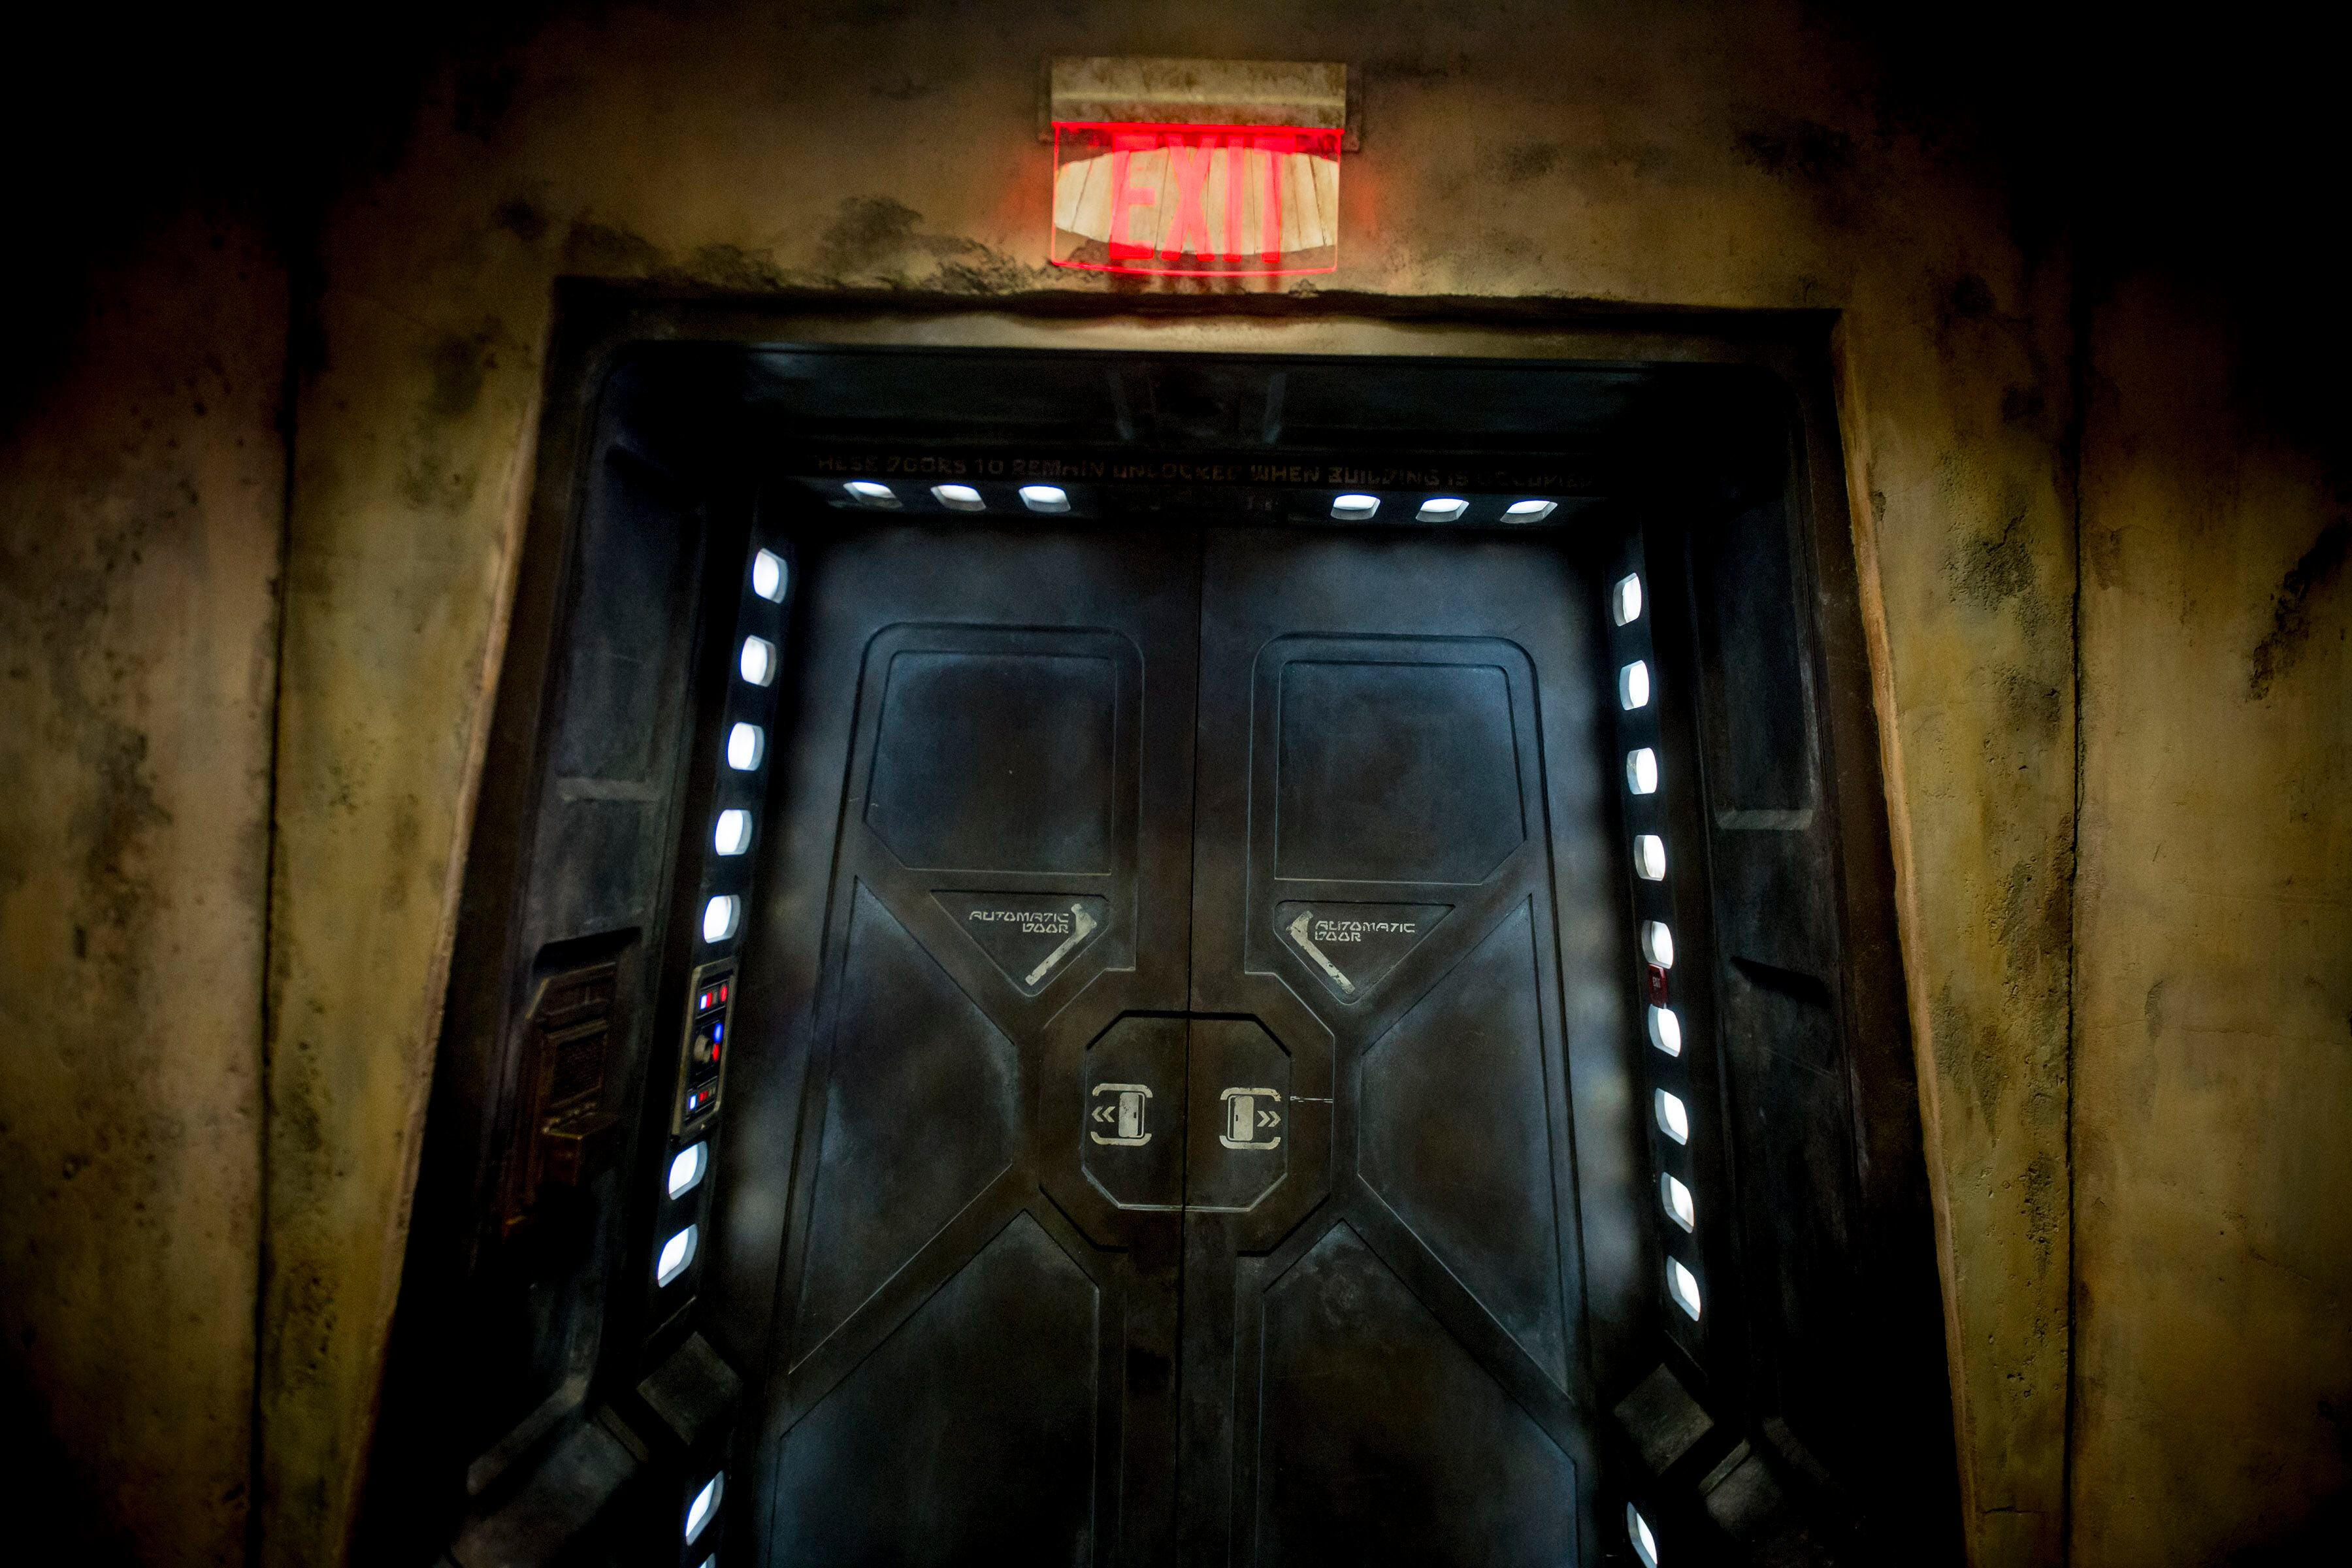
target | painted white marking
[
  {"x": 1123, "y": 1113},
  {"x": 1245, "y": 1118},
  {"x": 1083, "y": 926},
  {"x": 1305, "y": 945}
]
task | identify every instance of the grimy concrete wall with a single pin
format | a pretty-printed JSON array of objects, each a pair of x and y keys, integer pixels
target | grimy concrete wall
[
  {"x": 1711, "y": 155},
  {"x": 142, "y": 505},
  {"x": 2213, "y": 1077}
]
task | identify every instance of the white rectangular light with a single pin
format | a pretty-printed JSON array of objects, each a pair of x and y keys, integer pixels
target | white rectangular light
[
  {"x": 1642, "y": 771},
  {"x": 768, "y": 575},
  {"x": 1674, "y": 1116},
  {"x": 686, "y": 1171},
  {"x": 1666, "y": 1030},
  {"x": 677, "y": 1253},
  {"x": 720, "y": 916},
  {"x": 1680, "y": 1207},
  {"x": 1650, "y": 857},
  {"x": 1682, "y": 1286},
  {"x": 732, "y": 835}
]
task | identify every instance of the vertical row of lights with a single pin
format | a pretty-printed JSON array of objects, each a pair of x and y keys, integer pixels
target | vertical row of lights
[
  {"x": 1669, "y": 1112},
  {"x": 757, "y": 663}
]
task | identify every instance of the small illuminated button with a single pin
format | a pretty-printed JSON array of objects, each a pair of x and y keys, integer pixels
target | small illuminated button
[
  {"x": 686, "y": 1171},
  {"x": 1442, "y": 509},
  {"x": 1676, "y": 1197},
  {"x": 1658, "y": 943},
  {"x": 1666, "y": 1031},
  {"x": 866, "y": 493},
  {"x": 1045, "y": 498},
  {"x": 746, "y": 745},
  {"x": 957, "y": 498},
  {"x": 1642, "y": 771},
  {"x": 704, "y": 1507},
  {"x": 677, "y": 1253},
  {"x": 1353, "y": 508},
  {"x": 720, "y": 916},
  {"x": 1530, "y": 511},
  {"x": 759, "y": 661},
  {"x": 1682, "y": 1286},
  {"x": 1625, "y": 599},
  {"x": 1637, "y": 1530},
  {"x": 733, "y": 833},
  {"x": 1634, "y": 685},
  {"x": 768, "y": 575},
  {"x": 1673, "y": 1117},
  {"x": 1650, "y": 857}
]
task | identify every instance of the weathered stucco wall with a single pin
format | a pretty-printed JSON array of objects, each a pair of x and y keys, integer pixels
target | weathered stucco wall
[
  {"x": 2214, "y": 1070},
  {"x": 1731, "y": 157},
  {"x": 142, "y": 502}
]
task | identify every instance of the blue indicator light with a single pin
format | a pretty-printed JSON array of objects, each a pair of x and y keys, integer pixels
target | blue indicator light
[{"x": 717, "y": 1032}]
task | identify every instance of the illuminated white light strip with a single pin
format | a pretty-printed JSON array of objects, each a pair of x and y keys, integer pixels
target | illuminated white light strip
[
  {"x": 1666, "y": 1031},
  {"x": 1650, "y": 857},
  {"x": 957, "y": 498},
  {"x": 746, "y": 745},
  {"x": 705, "y": 1506},
  {"x": 1625, "y": 599},
  {"x": 1682, "y": 1286},
  {"x": 685, "y": 1171},
  {"x": 1680, "y": 1207},
  {"x": 1673, "y": 1117},
  {"x": 1637, "y": 1531},
  {"x": 1634, "y": 685},
  {"x": 768, "y": 575},
  {"x": 1642, "y": 771},
  {"x": 1441, "y": 508},
  {"x": 1530, "y": 511},
  {"x": 720, "y": 916},
  {"x": 866, "y": 493},
  {"x": 1354, "y": 508},
  {"x": 676, "y": 1254},
  {"x": 1045, "y": 498},
  {"x": 759, "y": 661},
  {"x": 1658, "y": 943}
]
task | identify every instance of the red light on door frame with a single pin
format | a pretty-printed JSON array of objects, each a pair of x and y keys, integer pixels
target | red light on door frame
[{"x": 1164, "y": 201}]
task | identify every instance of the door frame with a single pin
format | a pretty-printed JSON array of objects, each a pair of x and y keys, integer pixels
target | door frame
[{"x": 598, "y": 326}]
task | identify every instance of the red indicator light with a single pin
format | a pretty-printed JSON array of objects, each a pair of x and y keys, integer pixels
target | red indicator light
[
  {"x": 1195, "y": 201},
  {"x": 1656, "y": 984}
]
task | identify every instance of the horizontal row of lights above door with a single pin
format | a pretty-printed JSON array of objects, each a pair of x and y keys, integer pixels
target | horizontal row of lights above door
[{"x": 1348, "y": 507}]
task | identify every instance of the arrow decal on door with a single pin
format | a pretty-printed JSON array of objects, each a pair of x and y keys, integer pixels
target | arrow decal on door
[
  {"x": 1248, "y": 1112},
  {"x": 1082, "y": 927},
  {"x": 1031, "y": 937},
  {"x": 1298, "y": 929},
  {"x": 1370, "y": 938}
]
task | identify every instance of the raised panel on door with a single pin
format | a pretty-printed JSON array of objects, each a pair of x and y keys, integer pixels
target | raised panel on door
[
  {"x": 974, "y": 1351},
  {"x": 1384, "y": 1342}
]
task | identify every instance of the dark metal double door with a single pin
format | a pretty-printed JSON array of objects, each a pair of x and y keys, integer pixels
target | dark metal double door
[{"x": 1185, "y": 1171}]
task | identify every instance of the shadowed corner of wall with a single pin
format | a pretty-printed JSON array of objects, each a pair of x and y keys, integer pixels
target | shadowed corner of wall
[
  {"x": 50, "y": 1515},
  {"x": 2318, "y": 1538}
]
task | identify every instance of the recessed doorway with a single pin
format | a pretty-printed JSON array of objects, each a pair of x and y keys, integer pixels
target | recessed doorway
[{"x": 1270, "y": 956}]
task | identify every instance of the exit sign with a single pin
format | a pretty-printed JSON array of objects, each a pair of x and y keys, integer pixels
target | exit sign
[
  {"x": 1185, "y": 168},
  {"x": 1196, "y": 201}
]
